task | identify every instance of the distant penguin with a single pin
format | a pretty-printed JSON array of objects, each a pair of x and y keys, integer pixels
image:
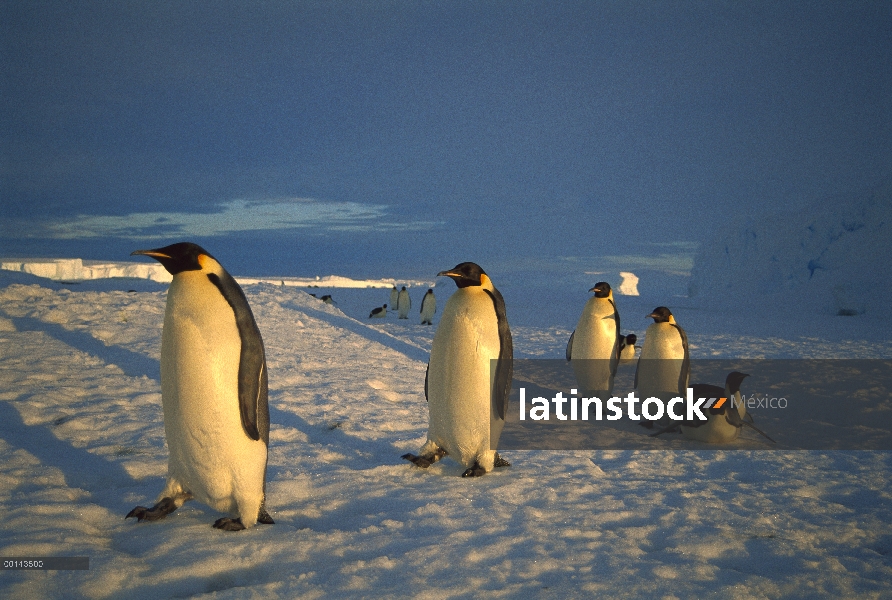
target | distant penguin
[
  {"x": 428, "y": 308},
  {"x": 378, "y": 313},
  {"x": 213, "y": 392},
  {"x": 466, "y": 402},
  {"x": 405, "y": 303},
  {"x": 664, "y": 365},
  {"x": 593, "y": 347},
  {"x": 627, "y": 348},
  {"x": 326, "y": 299},
  {"x": 394, "y": 298},
  {"x": 723, "y": 418}
]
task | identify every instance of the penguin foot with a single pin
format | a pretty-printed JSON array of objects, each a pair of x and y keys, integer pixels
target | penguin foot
[
  {"x": 500, "y": 462},
  {"x": 164, "y": 507},
  {"x": 475, "y": 471},
  {"x": 263, "y": 517},
  {"x": 425, "y": 460},
  {"x": 227, "y": 524}
]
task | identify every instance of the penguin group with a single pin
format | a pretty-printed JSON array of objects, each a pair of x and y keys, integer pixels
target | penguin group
[{"x": 214, "y": 388}]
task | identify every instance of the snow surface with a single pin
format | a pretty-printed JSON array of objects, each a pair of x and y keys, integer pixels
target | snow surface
[{"x": 82, "y": 440}]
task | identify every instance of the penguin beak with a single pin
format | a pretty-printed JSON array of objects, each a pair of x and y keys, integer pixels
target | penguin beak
[
  {"x": 448, "y": 274},
  {"x": 152, "y": 253},
  {"x": 594, "y": 289},
  {"x": 651, "y": 316}
]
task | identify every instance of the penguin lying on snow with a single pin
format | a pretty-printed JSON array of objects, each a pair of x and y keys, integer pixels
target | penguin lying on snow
[
  {"x": 466, "y": 404},
  {"x": 213, "y": 391},
  {"x": 378, "y": 313},
  {"x": 723, "y": 420}
]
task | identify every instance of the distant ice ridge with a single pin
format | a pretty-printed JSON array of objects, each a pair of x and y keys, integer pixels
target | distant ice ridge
[
  {"x": 832, "y": 258},
  {"x": 74, "y": 269},
  {"x": 629, "y": 284}
]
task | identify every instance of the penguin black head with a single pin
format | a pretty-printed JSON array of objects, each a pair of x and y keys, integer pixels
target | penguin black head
[
  {"x": 466, "y": 274},
  {"x": 404, "y": 289},
  {"x": 631, "y": 339},
  {"x": 177, "y": 258},
  {"x": 601, "y": 289},
  {"x": 661, "y": 314},
  {"x": 733, "y": 381}
]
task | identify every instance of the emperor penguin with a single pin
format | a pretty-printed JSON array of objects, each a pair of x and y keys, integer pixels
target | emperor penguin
[
  {"x": 627, "y": 348},
  {"x": 664, "y": 365},
  {"x": 594, "y": 345},
  {"x": 405, "y": 303},
  {"x": 378, "y": 313},
  {"x": 428, "y": 308},
  {"x": 723, "y": 418},
  {"x": 467, "y": 402},
  {"x": 394, "y": 298},
  {"x": 213, "y": 392}
]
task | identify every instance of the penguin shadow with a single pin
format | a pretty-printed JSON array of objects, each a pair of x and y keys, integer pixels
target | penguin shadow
[
  {"x": 359, "y": 453},
  {"x": 367, "y": 331},
  {"x": 80, "y": 469},
  {"x": 132, "y": 363}
]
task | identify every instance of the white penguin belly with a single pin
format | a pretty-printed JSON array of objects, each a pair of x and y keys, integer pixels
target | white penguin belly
[
  {"x": 460, "y": 379},
  {"x": 211, "y": 456},
  {"x": 716, "y": 430},
  {"x": 660, "y": 362},
  {"x": 594, "y": 343}
]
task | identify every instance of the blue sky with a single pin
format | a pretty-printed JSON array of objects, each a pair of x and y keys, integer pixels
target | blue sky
[{"x": 389, "y": 137}]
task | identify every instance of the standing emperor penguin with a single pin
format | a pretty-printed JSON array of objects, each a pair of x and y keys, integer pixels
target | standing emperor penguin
[
  {"x": 723, "y": 418},
  {"x": 428, "y": 308},
  {"x": 627, "y": 348},
  {"x": 664, "y": 366},
  {"x": 405, "y": 303},
  {"x": 594, "y": 345},
  {"x": 394, "y": 298},
  {"x": 466, "y": 401},
  {"x": 213, "y": 392}
]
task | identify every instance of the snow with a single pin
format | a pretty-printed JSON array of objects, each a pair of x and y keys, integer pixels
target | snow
[{"x": 82, "y": 440}]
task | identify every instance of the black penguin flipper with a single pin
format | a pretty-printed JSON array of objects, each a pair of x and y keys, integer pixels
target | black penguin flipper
[
  {"x": 570, "y": 345},
  {"x": 426, "y": 371},
  {"x": 685, "y": 373},
  {"x": 505, "y": 366},
  {"x": 617, "y": 347},
  {"x": 252, "y": 377}
]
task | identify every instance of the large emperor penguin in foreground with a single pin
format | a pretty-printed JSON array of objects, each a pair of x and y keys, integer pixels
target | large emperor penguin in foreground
[
  {"x": 213, "y": 392},
  {"x": 467, "y": 399},
  {"x": 594, "y": 346},
  {"x": 664, "y": 366}
]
